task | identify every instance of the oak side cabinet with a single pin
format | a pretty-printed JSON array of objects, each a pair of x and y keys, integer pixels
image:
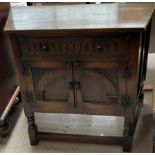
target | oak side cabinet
[{"x": 81, "y": 59}]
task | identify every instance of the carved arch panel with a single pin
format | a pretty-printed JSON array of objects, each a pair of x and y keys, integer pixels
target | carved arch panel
[
  {"x": 51, "y": 85},
  {"x": 99, "y": 83},
  {"x": 97, "y": 87},
  {"x": 52, "y": 79}
]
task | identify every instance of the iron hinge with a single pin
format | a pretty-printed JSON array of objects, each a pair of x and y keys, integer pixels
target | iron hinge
[
  {"x": 125, "y": 102},
  {"x": 24, "y": 69},
  {"x": 29, "y": 96}
]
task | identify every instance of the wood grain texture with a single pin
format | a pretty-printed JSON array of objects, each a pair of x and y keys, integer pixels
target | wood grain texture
[
  {"x": 104, "y": 17},
  {"x": 72, "y": 46},
  {"x": 81, "y": 138}
]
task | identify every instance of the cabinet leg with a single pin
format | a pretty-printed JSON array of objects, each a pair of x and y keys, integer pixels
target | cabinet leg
[
  {"x": 153, "y": 149},
  {"x": 32, "y": 130},
  {"x": 128, "y": 137},
  {"x": 4, "y": 129},
  {"x": 127, "y": 144}
]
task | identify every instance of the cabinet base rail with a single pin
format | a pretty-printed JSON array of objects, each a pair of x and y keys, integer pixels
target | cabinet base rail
[
  {"x": 109, "y": 140},
  {"x": 125, "y": 142}
]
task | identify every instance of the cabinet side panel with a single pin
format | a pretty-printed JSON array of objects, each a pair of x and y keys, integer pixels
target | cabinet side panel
[{"x": 132, "y": 81}]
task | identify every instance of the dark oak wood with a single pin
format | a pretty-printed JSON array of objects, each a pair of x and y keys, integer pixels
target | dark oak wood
[
  {"x": 153, "y": 144},
  {"x": 88, "y": 62},
  {"x": 81, "y": 138},
  {"x": 8, "y": 82},
  {"x": 32, "y": 130}
]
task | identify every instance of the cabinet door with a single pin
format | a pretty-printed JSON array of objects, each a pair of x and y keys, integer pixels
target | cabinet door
[
  {"x": 53, "y": 84},
  {"x": 99, "y": 83}
]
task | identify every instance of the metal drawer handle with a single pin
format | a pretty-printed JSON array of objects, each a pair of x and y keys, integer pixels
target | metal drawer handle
[
  {"x": 98, "y": 47},
  {"x": 44, "y": 47}
]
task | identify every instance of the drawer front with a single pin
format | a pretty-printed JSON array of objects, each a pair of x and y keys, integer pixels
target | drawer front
[{"x": 68, "y": 47}]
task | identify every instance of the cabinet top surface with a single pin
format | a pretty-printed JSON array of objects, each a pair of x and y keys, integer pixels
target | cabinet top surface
[{"x": 104, "y": 17}]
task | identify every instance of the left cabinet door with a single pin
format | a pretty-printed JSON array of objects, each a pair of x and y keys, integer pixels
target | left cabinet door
[{"x": 53, "y": 84}]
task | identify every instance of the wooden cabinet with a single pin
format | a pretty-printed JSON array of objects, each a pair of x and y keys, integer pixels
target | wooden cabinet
[{"x": 91, "y": 62}]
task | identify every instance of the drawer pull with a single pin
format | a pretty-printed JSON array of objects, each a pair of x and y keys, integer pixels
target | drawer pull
[
  {"x": 98, "y": 47},
  {"x": 44, "y": 47}
]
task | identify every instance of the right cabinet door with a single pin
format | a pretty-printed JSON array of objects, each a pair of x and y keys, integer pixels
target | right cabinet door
[{"x": 99, "y": 84}]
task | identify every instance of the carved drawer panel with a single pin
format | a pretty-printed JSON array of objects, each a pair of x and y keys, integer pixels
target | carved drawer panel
[{"x": 79, "y": 46}]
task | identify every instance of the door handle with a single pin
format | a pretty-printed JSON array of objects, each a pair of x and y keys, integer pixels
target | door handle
[
  {"x": 70, "y": 85},
  {"x": 77, "y": 85}
]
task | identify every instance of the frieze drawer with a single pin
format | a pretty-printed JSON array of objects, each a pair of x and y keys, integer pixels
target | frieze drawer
[{"x": 68, "y": 47}]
